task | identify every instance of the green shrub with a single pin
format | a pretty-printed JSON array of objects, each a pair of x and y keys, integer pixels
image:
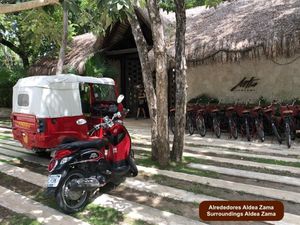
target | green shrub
[
  {"x": 203, "y": 99},
  {"x": 8, "y": 78}
]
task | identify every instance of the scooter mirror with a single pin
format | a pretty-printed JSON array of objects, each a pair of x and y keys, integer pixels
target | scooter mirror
[{"x": 120, "y": 98}]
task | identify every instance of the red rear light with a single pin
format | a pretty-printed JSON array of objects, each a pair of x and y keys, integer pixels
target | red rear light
[
  {"x": 62, "y": 153},
  {"x": 52, "y": 165}
]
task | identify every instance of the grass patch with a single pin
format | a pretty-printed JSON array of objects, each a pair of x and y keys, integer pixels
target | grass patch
[
  {"x": 92, "y": 214},
  {"x": 98, "y": 215},
  {"x": 143, "y": 158},
  {"x": 13, "y": 218},
  {"x": 272, "y": 161},
  {"x": 140, "y": 222},
  {"x": 3, "y": 137},
  {"x": 185, "y": 185}
]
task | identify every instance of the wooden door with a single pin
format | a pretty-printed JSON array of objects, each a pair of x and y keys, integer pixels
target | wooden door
[{"x": 132, "y": 78}]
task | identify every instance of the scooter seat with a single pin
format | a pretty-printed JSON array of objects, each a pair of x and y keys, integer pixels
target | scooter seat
[{"x": 79, "y": 145}]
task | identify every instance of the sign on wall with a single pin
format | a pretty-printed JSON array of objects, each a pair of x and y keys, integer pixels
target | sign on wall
[{"x": 246, "y": 84}]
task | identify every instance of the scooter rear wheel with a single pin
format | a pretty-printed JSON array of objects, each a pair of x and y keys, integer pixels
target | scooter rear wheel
[{"x": 71, "y": 201}]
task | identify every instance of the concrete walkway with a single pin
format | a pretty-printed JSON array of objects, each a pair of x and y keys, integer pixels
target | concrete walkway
[
  {"x": 295, "y": 170},
  {"x": 248, "y": 174},
  {"x": 42, "y": 213},
  {"x": 229, "y": 185},
  {"x": 141, "y": 212},
  {"x": 166, "y": 191}
]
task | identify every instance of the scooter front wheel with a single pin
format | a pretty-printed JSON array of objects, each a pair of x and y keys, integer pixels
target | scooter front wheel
[
  {"x": 133, "y": 168},
  {"x": 68, "y": 200}
]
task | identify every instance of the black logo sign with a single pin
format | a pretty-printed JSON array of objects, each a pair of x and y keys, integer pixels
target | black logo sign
[{"x": 246, "y": 84}]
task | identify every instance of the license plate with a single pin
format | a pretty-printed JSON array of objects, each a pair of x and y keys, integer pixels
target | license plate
[{"x": 53, "y": 180}]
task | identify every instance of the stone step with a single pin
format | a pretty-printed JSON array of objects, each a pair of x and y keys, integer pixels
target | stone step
[
  {"x": 7, "y": 158},
  {"x": 224, "y": 153},
  {"x": 33, "y": 158},
  {"x": 294, "y": 170},
  {"x": 248, "y": 174},
  {"x": 262, "y": 150},
  {"x": 13, "y": 145},
  {"x": 44, "y": 161},
  {"x": 166, "y": 191},
  {"x": 31, "y": 208},
  {"x": 143, "y": 212},
  {"x": 24, "y": 174},
  {"x": 228, "y": 185},
  {"x": 161, "y": 190},
  {"x": 210, "y": 140},
  {"x": 27, "y": 157},
  {"x": 4, "y": 129}
]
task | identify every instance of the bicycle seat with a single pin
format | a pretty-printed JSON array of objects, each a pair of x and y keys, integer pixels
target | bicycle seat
[
  {"x": 245, "y": 111},
  {"x": 215, "y": 110},
  {"x": 286, "y": 112},
  {"x": 256, "y": 108},
  {"x": 268, "y": 110},
  {"x": 230, "y": 108},
  {"x": 200, "y": 110}
]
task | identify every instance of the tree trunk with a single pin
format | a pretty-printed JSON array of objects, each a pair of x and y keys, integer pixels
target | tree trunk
[
  {"x": 147, "y": 79},
  {"x": 62, "y": 52},
  {"x": 9, "y": 8},
  {"x": 161, "y": 82},
  {"x": 17, "y": 50},
  {"x": 181, "y": 87}
]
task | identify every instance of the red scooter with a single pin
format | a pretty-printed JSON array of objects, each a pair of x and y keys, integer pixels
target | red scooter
[{"x": 80, "y": 168}]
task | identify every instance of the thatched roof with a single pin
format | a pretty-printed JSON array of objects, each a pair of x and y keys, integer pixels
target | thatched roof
[
  {"x": 234, "y": 30},
  {"x": 239, "y": 29},
  {"x": 81, "y": 48}
]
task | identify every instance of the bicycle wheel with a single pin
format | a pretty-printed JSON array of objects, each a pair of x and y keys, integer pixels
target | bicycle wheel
[
  {"x": 247, "y": 130},
  {"x": 275, "y": 131},
  {"x": 190, "y": 125},
  {"x": 233, "y": 129},
  {"x": 288, "y": 135},
  {"x": 260, "y": 129},
  {"x": 216, "y": 127},
  {"x": 200, "y": 125}
]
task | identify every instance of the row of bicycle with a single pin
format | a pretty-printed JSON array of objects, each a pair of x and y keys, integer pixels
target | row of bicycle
[{"x": 256, "y": 121}]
